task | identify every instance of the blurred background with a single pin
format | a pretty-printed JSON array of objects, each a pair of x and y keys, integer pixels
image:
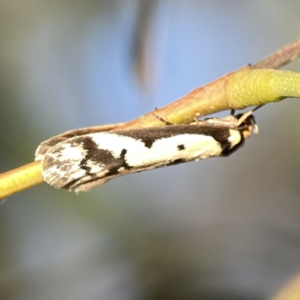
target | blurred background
[{"x": 216, "y": 229}]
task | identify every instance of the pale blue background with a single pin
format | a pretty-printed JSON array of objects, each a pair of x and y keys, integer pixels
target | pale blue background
[{"x": 217, "y": 229}]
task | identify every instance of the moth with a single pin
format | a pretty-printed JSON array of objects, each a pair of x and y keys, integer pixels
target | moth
[{"x": 83, "y": 159}]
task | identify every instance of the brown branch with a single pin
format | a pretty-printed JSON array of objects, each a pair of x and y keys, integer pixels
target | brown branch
[
  {"x": 20, "y": 179},
  {"x": 213, "y": 97},
  {"x": 281, "y": 57}
]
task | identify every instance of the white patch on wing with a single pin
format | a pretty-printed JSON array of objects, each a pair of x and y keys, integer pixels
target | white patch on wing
[
  {"x": 234, "y": 138},
  {"x": 165, "y": 150},
  {"x": 115, "y": 143},
  {"x": 72, "y": 153}
]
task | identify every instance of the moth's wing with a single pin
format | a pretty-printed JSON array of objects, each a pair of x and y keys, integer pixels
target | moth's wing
[
  {"x": 85, "y": 161},
  {"x": 86, "y": 187},
  {"x": 229, "y": 122},
  {"x": 48, "y": 144},
  {"x": 81, "y": 162}
]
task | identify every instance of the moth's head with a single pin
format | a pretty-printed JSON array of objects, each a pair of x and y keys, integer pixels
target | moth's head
[{"x": 248, "y": 125}]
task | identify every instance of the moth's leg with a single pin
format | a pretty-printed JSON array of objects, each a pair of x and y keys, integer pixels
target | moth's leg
[
  {"x": 246, "y": 119},
  {"x": 163, "y": 120}
]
